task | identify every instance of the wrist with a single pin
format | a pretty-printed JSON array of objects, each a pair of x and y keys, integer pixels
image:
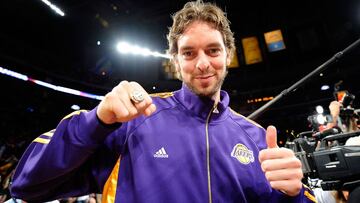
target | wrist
[{"x": 112, "y": 125}]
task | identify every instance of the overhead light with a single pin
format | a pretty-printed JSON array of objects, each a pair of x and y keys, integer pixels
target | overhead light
[
  {"x": 54, "y": 7},
  {"x": 126, "y": 48},
  {"x": 325, "y": 87},
  {"x": 98, "y": 43},
  {"x": 319, "y": 109},
  {"x": 75, "y": 107},
  {"x": 321, "y": 119}
]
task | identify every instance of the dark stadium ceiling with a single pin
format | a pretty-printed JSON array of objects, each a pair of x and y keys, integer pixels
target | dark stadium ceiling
[{"x": 38, "y": 42}]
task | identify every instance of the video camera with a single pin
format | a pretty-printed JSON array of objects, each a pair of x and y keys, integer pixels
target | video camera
[
  {"x": 346, "y": 109},
  {"x": 325, "y": 156},
  {"x": 336, "y": 164}
]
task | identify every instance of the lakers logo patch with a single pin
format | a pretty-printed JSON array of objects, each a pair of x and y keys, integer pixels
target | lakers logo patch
[{"x": 242, "y": 154}]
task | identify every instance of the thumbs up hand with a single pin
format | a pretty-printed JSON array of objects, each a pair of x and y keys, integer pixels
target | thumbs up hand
[{"x": 282, "y": 169}]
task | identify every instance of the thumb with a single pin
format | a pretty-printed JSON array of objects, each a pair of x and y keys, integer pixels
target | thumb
[{"x": 271, "y": 137}]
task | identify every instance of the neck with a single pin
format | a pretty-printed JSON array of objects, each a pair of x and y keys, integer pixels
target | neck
[{"x": 215, "y": 96}]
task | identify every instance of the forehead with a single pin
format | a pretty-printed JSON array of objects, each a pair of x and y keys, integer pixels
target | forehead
[{"x": 199, "y": 34}]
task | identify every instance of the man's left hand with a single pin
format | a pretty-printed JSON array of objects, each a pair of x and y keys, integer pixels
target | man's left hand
[{"x": 282, "y": 169}]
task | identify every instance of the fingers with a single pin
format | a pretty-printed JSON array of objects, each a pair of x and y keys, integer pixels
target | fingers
[
  {"x": 271, "y": 137},
  {"x": 118, "y": 106},
  {"x": 141, "y": 106},
  {"x": 111, "y": 109},
  {"x": 121, "y": 92},
  {"x": 149, "y": 110},
  {"x": 125, "y": 90},
  {"x": 146, "y": 106},
  {"x": 284, "y": 174},
  {"x": 278, "y": 164},
  {"x": 281, "y": 167},
  {"x": 275, "y": 153}
]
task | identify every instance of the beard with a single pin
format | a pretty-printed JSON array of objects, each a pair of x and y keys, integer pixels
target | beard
[{"x": 209, "y": 91}]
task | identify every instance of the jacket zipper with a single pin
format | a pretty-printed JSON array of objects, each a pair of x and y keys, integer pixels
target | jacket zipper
[{"x": 208, "y": 153}]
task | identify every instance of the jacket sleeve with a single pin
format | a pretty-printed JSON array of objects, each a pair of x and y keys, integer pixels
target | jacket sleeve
[
  {"x": 71, "y": 160},
  {"x": 306, "y": 195}
]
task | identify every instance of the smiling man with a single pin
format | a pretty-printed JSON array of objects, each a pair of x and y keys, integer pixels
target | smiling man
[
  {"x": 184, "y": 146},
  {"x": 202, "y": 59}
]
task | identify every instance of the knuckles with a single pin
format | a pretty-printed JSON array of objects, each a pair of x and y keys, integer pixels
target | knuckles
[
  {"x": 275, "y": 153},
  {"x": 119, "y": 98},
  {"x": 110, "y": 96}
]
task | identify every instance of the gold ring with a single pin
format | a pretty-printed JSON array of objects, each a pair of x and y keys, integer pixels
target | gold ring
[{"x": 137, "y": 96}]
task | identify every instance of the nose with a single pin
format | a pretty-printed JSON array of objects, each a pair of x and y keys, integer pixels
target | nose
[{"x": 203, "y": 62}]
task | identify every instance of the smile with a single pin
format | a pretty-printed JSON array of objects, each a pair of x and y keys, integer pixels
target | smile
[{"x": 204, "y": 77}]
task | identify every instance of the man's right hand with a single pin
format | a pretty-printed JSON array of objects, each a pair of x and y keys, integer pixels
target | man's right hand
[{"x": 117, "y": 106}]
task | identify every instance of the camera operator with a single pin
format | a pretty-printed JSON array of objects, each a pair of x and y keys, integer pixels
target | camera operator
[{"x": 347, "y": 122}]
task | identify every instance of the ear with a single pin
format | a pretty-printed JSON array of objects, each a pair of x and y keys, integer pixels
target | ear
[
  {"x": 176, "y": 63},
  {"x": 228, "y": 59}
]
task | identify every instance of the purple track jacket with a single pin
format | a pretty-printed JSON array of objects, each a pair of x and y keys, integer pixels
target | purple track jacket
[{"x": 187, "y": 151}]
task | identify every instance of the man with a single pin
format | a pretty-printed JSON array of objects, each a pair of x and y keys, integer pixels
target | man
[
  {"x": 186, "y": 146},
  {"x": 347, "y": 123}
]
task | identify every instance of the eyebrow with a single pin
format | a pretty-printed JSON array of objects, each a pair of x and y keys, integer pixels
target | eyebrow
[
  {"x": 214, "y": 44},
  {"x": 186, "y": 48}
]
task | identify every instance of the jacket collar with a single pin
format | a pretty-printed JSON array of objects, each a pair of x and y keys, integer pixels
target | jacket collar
[{"x": 200, "y": 106}]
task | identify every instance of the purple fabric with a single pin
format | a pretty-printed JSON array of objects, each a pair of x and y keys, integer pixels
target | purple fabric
[{"x": 163, "y": 157}]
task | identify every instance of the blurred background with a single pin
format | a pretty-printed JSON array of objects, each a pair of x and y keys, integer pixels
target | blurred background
[{"x": 278, "y": 43}]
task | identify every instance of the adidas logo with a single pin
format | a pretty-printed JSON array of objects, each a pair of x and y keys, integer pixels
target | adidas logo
[{"x": 161, "y": 153}]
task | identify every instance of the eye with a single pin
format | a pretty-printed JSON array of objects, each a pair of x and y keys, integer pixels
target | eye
[
  {"x": 214, "y": 51},
  {"x": 187, "y": 54}
]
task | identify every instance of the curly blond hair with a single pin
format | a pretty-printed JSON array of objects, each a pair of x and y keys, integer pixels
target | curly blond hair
[{"x": 200, "y": 11}]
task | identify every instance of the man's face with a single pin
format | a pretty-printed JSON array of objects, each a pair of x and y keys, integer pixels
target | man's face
[{"x": 201, "y": 59}]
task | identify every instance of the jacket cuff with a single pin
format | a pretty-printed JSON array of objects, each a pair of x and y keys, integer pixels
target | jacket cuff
[
  {"x": 93, "y": 131},
  {"x": 305, "y": 196}
]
